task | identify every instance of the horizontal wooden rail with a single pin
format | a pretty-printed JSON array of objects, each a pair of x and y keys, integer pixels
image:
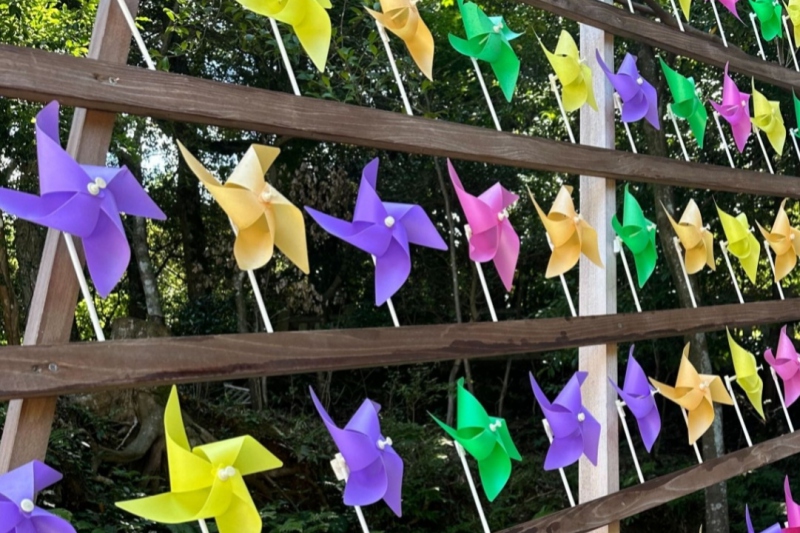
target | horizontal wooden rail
[
  {"x": 692, "y": 44},
  {"x": 43, "y": 76},
  {"x": 638, "y": 498},
  {"x": 33, "y": 371}
]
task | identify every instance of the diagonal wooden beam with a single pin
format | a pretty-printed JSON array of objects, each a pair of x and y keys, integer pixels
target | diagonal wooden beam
[
  {"x": 639, "y": 498},
  {"x": 34, "y": 371},
  {"x": 42, "y": 76}
]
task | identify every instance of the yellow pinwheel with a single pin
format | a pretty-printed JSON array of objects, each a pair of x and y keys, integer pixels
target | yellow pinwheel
[
  {"x": 206, "y": 482},
  {"x": 263, "y": 217},
  {"x": 784, "y": 241},
  {"x": 741, "y": 241},
  {"x": 767, "y": 117},
  {"x": 575, "y": 76},
  {"x": 697, "y": 241},
  {"x": 310, "y": 21},
  {"x": 793, "y": 9},
  {"x": 569, "y": 234},
  {"x": 696, "y": 393},
  {"x": 744, "y": 363},
  {"x": 402, "y": 18}
]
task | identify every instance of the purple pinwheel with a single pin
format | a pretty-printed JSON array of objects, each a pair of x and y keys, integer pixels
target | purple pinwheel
[
  {"x": 375, "y": 469},
  {"x": 638, "y": 396},
  {"x": 774, "y": 528},
  {"x": 83, "y": 200},
  {"x": 639, "y": 97},
  {"x": 18, "y": 511},
  {"x": 575, "y": 431},
  {"x": 786, "y": 363},
  {"x": 383, "y": 229}
]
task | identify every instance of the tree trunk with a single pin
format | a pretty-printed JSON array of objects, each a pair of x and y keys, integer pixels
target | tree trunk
[{"x": 8, "y": 297}]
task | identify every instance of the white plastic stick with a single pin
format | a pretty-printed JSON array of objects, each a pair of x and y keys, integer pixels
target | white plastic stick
[
  {"x": 792, "y": 132},
  {"x": 781, "y": 398},
  {"x": 696, "y": 449},
  {"x": 398, "y": 80},
  {"x": 678, "y": 249},
  {"x": 728, "y": 380},
  {"x": 618, "y": 105},
  {"x": 341, "y": 471},
  {"x": 719, "y": 24},
  {"x": 564, "y": 284},
  {"x": 560, "y": 470},
  {"x": 791, "y": 44},
  {"x": 463, "y": 456},
  {"x": 554, "y": 88},
  {"x": 772, "y": 265},
  {"x": 758, "y": 37},
  {"x": 486, "y": 94},
  {"x": 677, "y": 130},
  {"x": 622, "y": 418},
  {"x": 87, "y": 295},
  {"x": 203, "y": 526},
  {"x": 137, "y": 36},
  {"x": 724, "y": 141},
  {"x": 256, "y": 290},
  {"x": 724, "y": 247},
  {"x": 630, "y": 6},
  {"x": 621, "y": 251},
  {"x": 285, "y": 56},
  {"x": 677, "y": 15},
  {"x": 486, "y": 291},
  {"x": 763, "y": 149}
]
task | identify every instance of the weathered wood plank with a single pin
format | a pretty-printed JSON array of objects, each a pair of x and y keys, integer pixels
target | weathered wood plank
[
  {"x": 655, "y": 492},
  {"x": 42, "y": 76},
  {"x": 34, "y": 371},
  {"x": 28, "y": 422}
]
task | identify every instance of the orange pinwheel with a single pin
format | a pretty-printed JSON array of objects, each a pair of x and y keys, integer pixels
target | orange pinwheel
[
  {"x": 784, "y": 241},
  {"x": 696, "y": 239},
  {"x": 402, "y": 18}
]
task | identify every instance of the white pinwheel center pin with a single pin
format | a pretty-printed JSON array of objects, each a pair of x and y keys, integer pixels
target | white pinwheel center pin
[
  {"x": 502, "y": 215},
  {"x": 96, "y": 186},
  {"x": 266, "y": 195},
  {"x": 383, "y": 443},
  {"x": 389, "y": 221},
  {"x": 640, "y": 81},
  {"x": 581, "y": 417},
  {"x": 498, "y": 27},
  {"x": 26, "y": 505},
  {"x": 224, "y": 474},
  {"x": 703, "y": 385},
  {"x": 494, "y": 426}
]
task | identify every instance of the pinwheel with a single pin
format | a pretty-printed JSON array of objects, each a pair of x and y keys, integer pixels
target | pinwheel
[
  {"x": 786, "y": 363},
  {"x": 486, "y": 438},
  {"x": 569, "y": 234},
  {"x": 308, "y": 18},
  {"x": 18, "y": 510},
  {"x": 638, "y": 396},
  {"x": 796, "y": 131},
  {"x": 744, "y": 363},
  {"x": 793, "y": 9},
  {"x": 696, "y": 393},
  {"x": 488, "y": 39},
  {"x": 730, "y": 5},
  {"x": 696, "y": 239},
  {"x": 741, "y": 241},
  {"x": 383, "y": 229},
  {"x": 735, "y": 109},
  {"x": 639, "y": 97},
  {"x": 784, "y": 241},
  {"x": 575, "y": 431},
  {"x": 575, "y": 76},
  {"x": 82, "y": 200},
  {"x": 493, "y": 238},
  {"x": 769, "y": 14},
  {"x": 263, "y": 217},
  {"x": 375, "y": 469},
  {"x": 686, "y": 7},
  {"x": 402, "y": 18},
  {"x": 687, "y": 104},
  {"x": 792, "y": 509},
  {"x": 774, "y": 528},
  {"x": 767, "y": 117},
  {"x": 207, "y": 481},
  {"x": 639, "y": 235}
]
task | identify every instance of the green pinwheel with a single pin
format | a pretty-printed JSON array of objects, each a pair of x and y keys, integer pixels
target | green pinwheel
[
  {"x": 488, "y": 39},
  {"x": 486, "y": 438},
  {"x": 769, "y": 14},
  {"x": 796, "y": 131},
  {"x": 687, "y": 104},
  {"x": 639, "y": 235}
]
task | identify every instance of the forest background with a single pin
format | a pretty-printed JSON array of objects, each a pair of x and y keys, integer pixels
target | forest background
[{"x": 183, "y": 279}]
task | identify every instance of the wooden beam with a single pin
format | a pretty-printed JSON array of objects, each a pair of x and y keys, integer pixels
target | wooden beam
[
  {"x": 28, "y": 422},
  {"x": 34, "y": 371},
  {"x": 42, "y": 76},
  {"x": 641, "y": 497},
  {"x": 692, "y": 44}
]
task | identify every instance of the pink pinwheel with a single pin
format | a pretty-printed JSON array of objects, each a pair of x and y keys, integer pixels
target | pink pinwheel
[
  {"x": 639, "y": 97},
  {"x": 787, "y": 366},
  {"x": 792, "y": 509},
  {"x": 735, "y": 109},
  {"x": 375, "y": 469},
  {"x": 730, "y": 5},
  {"x": 638, "y": 395},
  {"x": 493, "y": 237},
  {"x": 774, "y": 528},
  {"x": 575, "y": 431},
  {"x": 18, "y": 510},
  {"x": 83, "y": 200},
  {"x": 383, "y": 229}
]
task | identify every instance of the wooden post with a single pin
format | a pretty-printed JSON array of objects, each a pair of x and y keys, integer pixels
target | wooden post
[
  {"x": 598, "y": 287},
  {"x": 52, "y": 311}
]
